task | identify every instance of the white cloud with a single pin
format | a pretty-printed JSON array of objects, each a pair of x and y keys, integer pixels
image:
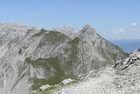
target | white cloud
[
  {"x": 121, "y": 30},
  {"x": 117, "y": 31},
  {"x": 133, "y": 24},
  {"x": 114, "y": 31},
  {"x": 135, "y": 29}
]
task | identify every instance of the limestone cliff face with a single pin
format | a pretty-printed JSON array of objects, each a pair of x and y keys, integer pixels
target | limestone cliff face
[{"x": 30, "y": 57}]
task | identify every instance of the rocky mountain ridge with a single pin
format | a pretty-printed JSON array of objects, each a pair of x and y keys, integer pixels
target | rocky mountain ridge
[{"x": 31, "y": 57}]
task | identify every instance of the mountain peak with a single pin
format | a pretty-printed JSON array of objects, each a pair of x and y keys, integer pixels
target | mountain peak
[
  {"x": 87, "y": 28},
  {"x": 66, "y": 30},
  {"x": 87, "y": 33}
]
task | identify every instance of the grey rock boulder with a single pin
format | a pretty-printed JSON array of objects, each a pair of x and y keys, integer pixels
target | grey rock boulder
[
  {"x": 66, "y": 81},
  {"x": 42, "y": 88}
]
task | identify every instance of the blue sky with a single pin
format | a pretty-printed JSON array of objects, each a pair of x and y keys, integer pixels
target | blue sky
[{"x": 112, "y": 19}]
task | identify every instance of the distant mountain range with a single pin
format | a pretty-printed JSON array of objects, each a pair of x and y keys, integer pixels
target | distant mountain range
[
  {"x": 30, "y": 57},
  {"x": 66, "y": 30},
  {"x": 127, "y": 45}
]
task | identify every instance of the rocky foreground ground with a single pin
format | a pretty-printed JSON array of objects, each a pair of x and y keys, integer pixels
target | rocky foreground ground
[{"x": 106, "y": 82}]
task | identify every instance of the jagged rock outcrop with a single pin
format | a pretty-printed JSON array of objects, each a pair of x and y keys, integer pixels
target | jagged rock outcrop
[
  {"x": 30, "y": 57},
  {"x": 123, "y": 64}
]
